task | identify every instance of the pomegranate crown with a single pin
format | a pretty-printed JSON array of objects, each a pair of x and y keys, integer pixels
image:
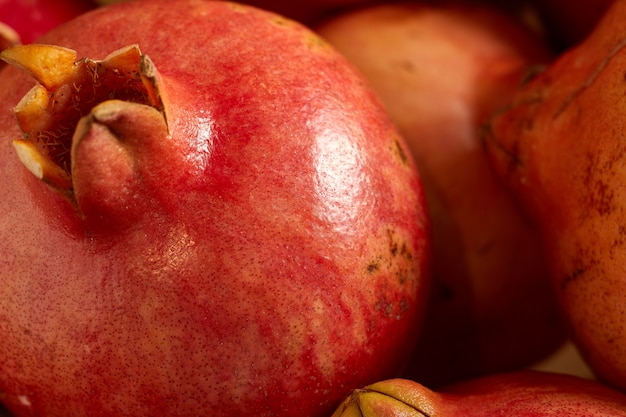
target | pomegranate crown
[{"x": 69, "y": 90}]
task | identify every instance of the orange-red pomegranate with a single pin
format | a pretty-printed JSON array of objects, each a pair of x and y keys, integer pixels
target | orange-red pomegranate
[
  {"x": 204, "y": 212},
  {"x": 519, "y": 393}
]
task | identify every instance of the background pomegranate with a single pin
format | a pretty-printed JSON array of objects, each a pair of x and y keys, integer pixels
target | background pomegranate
[
  {"x": 522, "y": 393},
  {"x": 305, "y": 11},
  {"x": 32, "y": 18},
  {"x": 560, "y": 149},
  {"x": 234, "y": 226},
  {"x": 571, "y": 21},
  {"x": 441, "y": 69}
]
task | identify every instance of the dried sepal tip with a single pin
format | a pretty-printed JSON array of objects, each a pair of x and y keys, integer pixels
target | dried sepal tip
[
  {"x": 8, "y": 37},
  {"x": 48, "y": 64},
  {"x": 41, "y": 166}
]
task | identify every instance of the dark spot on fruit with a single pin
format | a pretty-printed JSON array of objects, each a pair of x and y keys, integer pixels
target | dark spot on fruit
[
  {"x": 407, "y": 65},
  {"x": 373, "y": 266},
  {"x": 585, "y": 260},
  {"x": 393, "y": 248},
  {"x": 571, "y": 277},
  {"x": 532, "y": 73},
  {"x": 405, "y": 252},
  {"x": 384, "y": 306},
  {"x": 600, "y": 195},
  {"x": 404, "y": 305},
  {"x": 280, "y": 21},
  {"x": 398, "y": 149}
]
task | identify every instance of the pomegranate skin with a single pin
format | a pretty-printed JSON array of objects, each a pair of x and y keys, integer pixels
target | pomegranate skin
[
  {"x": 519, "y": 393},
  {"x": 271, "y": 254},
  {"x": 560, "y": 150}
]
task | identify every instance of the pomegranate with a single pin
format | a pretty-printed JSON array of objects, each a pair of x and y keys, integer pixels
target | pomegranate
[
  {"x": 32, "y": 18},
  {"x": 520, "y": 393},
  {"x": 212, "y": 214},
  {"x": 441, "y": 70},
  {"x": 560, "y": 149}
]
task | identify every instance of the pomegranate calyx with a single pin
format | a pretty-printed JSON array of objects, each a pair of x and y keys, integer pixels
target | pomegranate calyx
[
  {"x": 42, "y": 167},
  {"x": 67, "y": 90},
  {"x": 48, "y": 64},
  {"x": 112, "y": 151}
]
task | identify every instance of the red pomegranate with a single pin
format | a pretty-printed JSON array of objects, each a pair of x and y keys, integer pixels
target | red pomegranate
[
  {"x": 519, "y": 393},
  {"x": 210, "y": 215}
]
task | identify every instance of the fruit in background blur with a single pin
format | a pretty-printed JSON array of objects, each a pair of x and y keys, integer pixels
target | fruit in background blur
[
  {"x": 571, "y": 21},
  {"x": 304, "y": 11},
  {"x": 560, "y": 149},
  {"x": 441, "y": 71},
  {"x": 233, "y": 229},
  {"x": 32, "y": 18}
]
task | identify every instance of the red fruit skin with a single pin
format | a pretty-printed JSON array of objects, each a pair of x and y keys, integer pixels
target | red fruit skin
[
  {"x": 441, "y": 70},
  {"x": 519, "y": 394},
  {"x": 559, "y": 148},
  {"x": 533, "y": 394},
  {"x": 32, "y": 18},
  {"x": 274, "y": 260}
]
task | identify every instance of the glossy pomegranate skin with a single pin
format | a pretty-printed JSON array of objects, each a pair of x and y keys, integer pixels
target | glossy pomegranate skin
[{"x": 272, "y": 260}]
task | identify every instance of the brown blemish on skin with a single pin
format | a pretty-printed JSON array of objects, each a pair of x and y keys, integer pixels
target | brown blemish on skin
[
  {"x": 571, "y": 277},
  {"x": 585, "y": 260},
  {"x": 393, "y": 268},
  {"x": 282, "y": 22},
  {"x": 406, "y": 65},
  {"x": 399, "y": 151},
  {"x": 316, "y": 43},
  {"x": 373, "y": 266},
  {"x": 399, "y": 259},
  {"x": 600, "y": 196}
]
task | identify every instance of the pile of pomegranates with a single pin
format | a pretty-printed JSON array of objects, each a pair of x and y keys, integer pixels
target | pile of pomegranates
[{"x": 323, "y": 208}]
